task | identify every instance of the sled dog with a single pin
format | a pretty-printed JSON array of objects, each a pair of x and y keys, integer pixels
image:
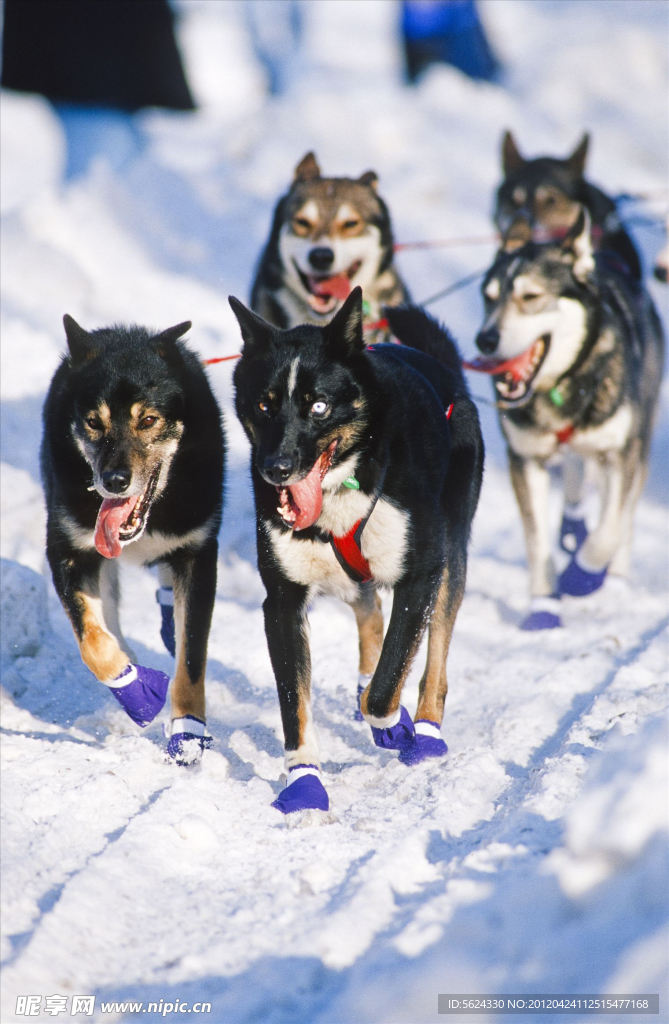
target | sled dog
[
  {"x": 328, "y": 236},
  {"x": 575, "y": 349},
  {"x": 366, "y": 466},
  {"x": 132, "y": 464},
  {"x": 545, "y": 195}
]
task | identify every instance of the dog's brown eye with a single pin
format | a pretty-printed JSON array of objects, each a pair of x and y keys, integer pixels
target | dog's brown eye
[
  {"x": 350, "y": 224},
  {"x": 147, "y": 422},
  {"x": 302, "y": 224},
  {"x": 94, "y": 423},
  {"x": 263, "y": 407},
  {"x": 530, "y": 295}
]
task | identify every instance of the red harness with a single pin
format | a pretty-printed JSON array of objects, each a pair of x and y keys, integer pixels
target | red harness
[{"x": 347, "y": 548}]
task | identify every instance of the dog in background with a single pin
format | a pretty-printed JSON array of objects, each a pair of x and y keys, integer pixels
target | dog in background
[
  {"x": 576, "y": 353},
  {"x": 132, "y": 464},
  {"x": 540, "y": 199},
  {"x": 328, "y": 236},
  {"x": 366, "y": 467}
]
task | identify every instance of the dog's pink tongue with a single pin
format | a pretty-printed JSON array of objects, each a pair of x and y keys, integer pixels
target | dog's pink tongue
[
  {"x": 307, "y": 498},
  {"x": 338, "y": 286},
  {"x": 113, "y": 513}
]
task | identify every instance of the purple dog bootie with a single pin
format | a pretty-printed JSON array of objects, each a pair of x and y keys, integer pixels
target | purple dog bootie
[
  {"x": 579, "y": 582},
  {"x": 304, "y": 791},
  {"x": 188, "y": 740},
  {"x": 427, "y": 743},
  {"x": 363, "y": 683},
  {"x": 398, "y": 736},
  {"x": 573, "y": 532},
  {"x": 165, "y": 598},
  {"x": 544, "y": 614},
  {"x": 141, "y": 692}
]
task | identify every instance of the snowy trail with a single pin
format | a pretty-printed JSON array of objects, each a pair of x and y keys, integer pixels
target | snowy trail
[{"x": 532, "y": 858}]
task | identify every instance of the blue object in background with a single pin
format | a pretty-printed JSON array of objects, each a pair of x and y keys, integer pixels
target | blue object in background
[
  {"x": 275, "y": 28},
  {"x": 92, "y": 132},
  {"x": 447, "y": 32}
]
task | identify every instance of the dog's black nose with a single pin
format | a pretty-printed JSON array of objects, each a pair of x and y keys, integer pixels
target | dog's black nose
[
  {"x": 321, "y": 258},
  {"x": 278, "y": 468},
  {"x": 487, "y": 341},
  {"x": 116, "y": 480}
]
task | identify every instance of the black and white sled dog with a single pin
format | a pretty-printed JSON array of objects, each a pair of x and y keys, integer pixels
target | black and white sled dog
[
  {"x": 132, "y": 464},
  {"x": 576, "y": 352},
  {"x": 541, "y": 198},
  {"x": 366, "y": 467},
  {"x": 328, "y": 236}
]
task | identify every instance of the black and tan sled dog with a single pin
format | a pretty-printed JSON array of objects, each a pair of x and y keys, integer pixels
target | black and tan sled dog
[
  {"x": 540, "y": 199},
  {"x": 328, "y": 236},
  {"x": 366, "y": 467},
  {"x": 576, "y": 351},
  {"x": 132, "y": 464}
]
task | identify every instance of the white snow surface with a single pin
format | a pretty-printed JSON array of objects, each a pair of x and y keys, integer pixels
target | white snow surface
[{"x": 533, "y": 858}]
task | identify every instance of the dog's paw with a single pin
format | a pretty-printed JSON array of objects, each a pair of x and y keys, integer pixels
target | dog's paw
[
  {"x": 427, "y": 743},
  {"x": 188, "y": 740},
  {"x": 544, "y": 614},
  {"x": 141, "y": 692},
  {"x": 573, "y": 533},
  {"x": 304, "y": 791},
  {"x": 579, "y": 582},
  {"x": 398, "y": 736},
  {"x": 363, "y": 683},
  {"x": 165, "y": 598}
]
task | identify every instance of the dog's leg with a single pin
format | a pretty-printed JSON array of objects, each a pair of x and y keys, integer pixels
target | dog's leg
[
  {"x": 110, "y": 594},
  {"x": 165, "y": 599},
  {"x": 286, "y": 630},
  {"x": 391, "y": 723},
  {"x": 587, "y": 570},
  {"x": 140, "y": 691},
  {"x": 194, "y": 574},
  {"x": 620, "y": 563},
  {"x": 531, "y": 484},
  {"x": 369, "y": 618},
  {"x": 573, "y": 529}
]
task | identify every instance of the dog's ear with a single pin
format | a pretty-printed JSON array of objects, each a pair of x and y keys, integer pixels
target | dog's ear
[
  {"x": 517, "y": 234},
  {"x": 256, "y": 332},
  {"x": 370, "y": 178},
  {"x": 576, "y": 162},
  {"x": 512, "y": 161},
  {"x": 165, "y": 341},
  {"x": 343, "y": 335},
  {"x": 81, "y": 344},
  {"x": 578, "y": 242},
  {"x": 307, "y": 169}
]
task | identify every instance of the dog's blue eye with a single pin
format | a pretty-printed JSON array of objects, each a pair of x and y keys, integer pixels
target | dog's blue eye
[{"x": 319, "y": 408}]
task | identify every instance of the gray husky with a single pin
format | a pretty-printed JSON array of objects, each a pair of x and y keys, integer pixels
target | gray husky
[
  {"x": 575, "y": 349},
  {"x": 328, "y": 235}
]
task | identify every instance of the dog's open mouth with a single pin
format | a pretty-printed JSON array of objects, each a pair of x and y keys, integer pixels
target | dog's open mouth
[
  {"x": 513, "y": 377},
  {"x": 121, "y": 520},
  {"x": 325, "y": 292},
  {"x": 301, "y": 503}
]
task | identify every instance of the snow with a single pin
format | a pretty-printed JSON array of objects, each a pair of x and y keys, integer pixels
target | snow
[{"x": 533, "y": 859}]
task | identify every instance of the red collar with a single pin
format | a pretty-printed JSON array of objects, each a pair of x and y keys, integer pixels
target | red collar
[
  {"x": 347, "y": 548},
  {"x": 565, "y": 434}
]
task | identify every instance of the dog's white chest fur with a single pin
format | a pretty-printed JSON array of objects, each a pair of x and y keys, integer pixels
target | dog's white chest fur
[{"x": 314, "y": 564}]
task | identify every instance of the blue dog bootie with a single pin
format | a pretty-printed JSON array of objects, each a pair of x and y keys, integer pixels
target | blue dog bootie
[
  {"x": 573, "y": 533},
  {"x": 165, "y": 598},
  {"x": 397, "y": 736},
  {"x": 363, "y": 683},
  {"x": 427, "y": 743},
  {"x": 579, "y": 582},
  {"x": 141, "y": 692},
  {"x": 304, "y": 791},
  {"x": 544, "y": 614},
  {"x": 188, "y": 739}
]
